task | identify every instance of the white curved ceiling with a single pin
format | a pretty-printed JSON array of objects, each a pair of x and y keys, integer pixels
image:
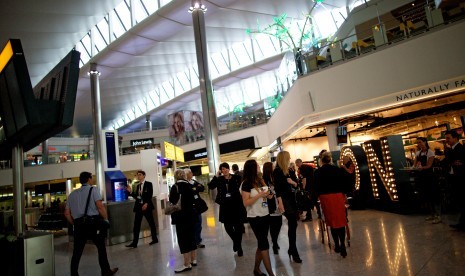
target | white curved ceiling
[{"x": 147, "y": 55}]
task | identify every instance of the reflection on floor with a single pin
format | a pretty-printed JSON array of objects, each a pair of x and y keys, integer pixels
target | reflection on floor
[{"x": 381, "y": 244}]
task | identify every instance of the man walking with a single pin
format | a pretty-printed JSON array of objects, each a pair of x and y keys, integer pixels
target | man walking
[
  {"x": 143, "y": 208},
  {"x": 75, "y": 211}
]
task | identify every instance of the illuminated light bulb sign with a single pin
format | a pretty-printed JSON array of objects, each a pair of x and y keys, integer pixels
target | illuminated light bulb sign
[
  {"x": 356, "y": 154},
  {"x": 378, "y": 161}
]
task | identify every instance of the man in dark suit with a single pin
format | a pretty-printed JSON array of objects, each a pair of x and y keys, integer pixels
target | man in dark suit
[
  {"x": 143, "y": 207},
  {"x": 455, "y": 158}
]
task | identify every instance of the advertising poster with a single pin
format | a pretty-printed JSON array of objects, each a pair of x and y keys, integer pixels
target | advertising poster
[{"x": 186, "y": 126}]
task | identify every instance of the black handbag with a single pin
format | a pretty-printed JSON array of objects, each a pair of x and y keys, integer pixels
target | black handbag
[
  {"x": 92, "y": 224},
  {"x": 200, "y": 205},
  {"x": 302, "y": 199}
]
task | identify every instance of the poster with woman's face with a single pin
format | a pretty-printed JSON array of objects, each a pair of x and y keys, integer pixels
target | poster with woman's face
[
  {"x": 177, "y": 127},
  {"x": 196, "y": 126},
  {"x": 186, "y": 126}
]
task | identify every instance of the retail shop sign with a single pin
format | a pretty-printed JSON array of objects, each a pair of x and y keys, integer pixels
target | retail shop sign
[
  {"x": 141, "y": 142},
  {"x": 444, "y": 87}
]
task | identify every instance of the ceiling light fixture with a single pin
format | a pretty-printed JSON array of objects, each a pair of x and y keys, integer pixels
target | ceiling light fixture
[{"x": 197, "y": 6}]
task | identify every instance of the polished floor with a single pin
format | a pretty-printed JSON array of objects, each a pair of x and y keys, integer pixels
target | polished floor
[{"x": 381, "y": 244}]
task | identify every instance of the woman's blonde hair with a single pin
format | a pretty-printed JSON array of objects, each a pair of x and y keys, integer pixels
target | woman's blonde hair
[
  {"x": 282, "y": 160},
  {"x": 179, "y": 175}
]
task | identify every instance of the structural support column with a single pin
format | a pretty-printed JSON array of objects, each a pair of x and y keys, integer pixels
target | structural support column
[
  {"x": 331, "y": 132},
  {"x": 97, "y": 115},
  {"x": 148, "y": 123},
  {"x": 18, "y": 195},
  {"x": 45, "y": 152},
  {"x": 206, "y": 88}
]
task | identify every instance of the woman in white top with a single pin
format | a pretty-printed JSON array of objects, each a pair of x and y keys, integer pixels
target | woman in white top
[
  {"x": 254, "y": 196},
  {"x": 424, "y": 159}
]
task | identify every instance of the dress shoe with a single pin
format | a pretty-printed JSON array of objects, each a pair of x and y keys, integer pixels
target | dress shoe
[
  {"x": 337, "y": 249},
  {"x": 194, "y": 263},
  {"x": 132, "y": 245},
  {"x": 111, "y": 272},
  {"x": 343, "y": 252},
  {"x": 200, "y": 245},
  {"x": 153, "y": 242},
  {"x": 183, "y": 268}
]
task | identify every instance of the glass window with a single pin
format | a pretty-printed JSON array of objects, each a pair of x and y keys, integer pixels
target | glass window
[
  {"x": 164, "y": 2},
  {"x": 150, "y": 5},
  {"x": 104, "y": 30},
  {"x": 218, "y": 66},
  {"x": 124, "y": 15},
  {"x": 118, "y": 28},
  {"x": 166, "y": 92},
  {"x": 99, "y": 41},
  {"x": 140, "y": 12}
]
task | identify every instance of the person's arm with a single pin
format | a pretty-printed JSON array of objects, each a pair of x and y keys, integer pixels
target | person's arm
[
  {"x": 68, "y": 216},
  {"x": 199, "y": 187},
  {"x": 248, "y": 201},
  {"x": 148, "y": 195},
  {"x": 174, "y": 194},
  {"x": 304, "y": 182},
  {"x": 214, "y": 182},
  {"x": 101, "y": 209},
  {"x": 429, "y": 163}
]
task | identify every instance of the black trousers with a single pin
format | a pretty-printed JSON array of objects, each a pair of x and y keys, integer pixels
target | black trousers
[
  {"x": 137, "y": 222},
  {"x": 235, "y": 231},
  {"x": 81, "y": 236},
  {"x": 458, "y": 190}
]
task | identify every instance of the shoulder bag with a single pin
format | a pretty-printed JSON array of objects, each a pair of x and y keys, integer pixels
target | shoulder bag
[{"x": 172, "y": 208}]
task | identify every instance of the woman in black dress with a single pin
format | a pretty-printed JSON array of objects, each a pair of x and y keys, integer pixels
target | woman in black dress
[
  {"x": 276, "y": 218},
  {"x": 286, "y": 200},
  {"x": 232, "y": 211},
  {"x": 185, "y": 220}
]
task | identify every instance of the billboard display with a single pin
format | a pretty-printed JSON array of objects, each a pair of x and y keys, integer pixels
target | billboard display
[{"x": 186, "y": 126}]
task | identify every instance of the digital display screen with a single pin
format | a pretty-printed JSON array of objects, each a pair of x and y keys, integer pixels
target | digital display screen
[{"x": 120, "y": 191}]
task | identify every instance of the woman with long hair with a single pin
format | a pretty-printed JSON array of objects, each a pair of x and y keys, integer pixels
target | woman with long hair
[
  {"x": 276, "y": 218},
  {"x": 286, "y": 200},
  {"x": 329, "y": 186},
  {"x": 254, "y": 196},
  {"x": 424, "y": 159},
  {"x": 185, "y": 220},
  {"x": 232, "y": 211}
]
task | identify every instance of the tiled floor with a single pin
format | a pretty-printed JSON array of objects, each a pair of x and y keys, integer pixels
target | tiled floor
[{"x": 381, "y": 244}]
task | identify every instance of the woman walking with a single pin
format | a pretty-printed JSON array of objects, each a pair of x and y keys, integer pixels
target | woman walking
[
  {"x": 276, "y": 218},
  {"x": 254, "y": 197},
  {"x": 329, "y": 185},
  {"x": 286, "y": 200},
  {"x": 185, "y": 220},
  {"x": 232, "y": 211}
]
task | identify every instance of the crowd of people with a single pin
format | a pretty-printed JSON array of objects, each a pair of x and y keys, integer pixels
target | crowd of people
[{"x": 263, "y": 198}]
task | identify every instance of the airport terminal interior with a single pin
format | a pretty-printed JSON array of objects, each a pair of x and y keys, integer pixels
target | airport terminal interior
[{"x": 113, "y": 87}]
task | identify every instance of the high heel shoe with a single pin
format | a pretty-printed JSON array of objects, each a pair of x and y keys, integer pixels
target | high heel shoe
[
  {"x": 295, "y": 256},
  {"x": 258, "y": 273}
]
